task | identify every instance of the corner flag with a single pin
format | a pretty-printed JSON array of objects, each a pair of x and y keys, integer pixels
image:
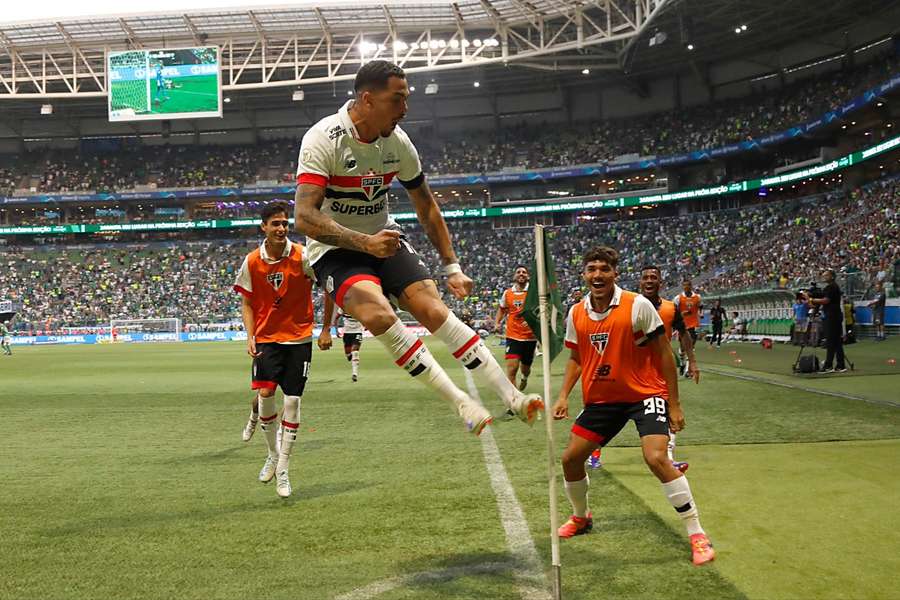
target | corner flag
[{"x": 531, "y": 312}]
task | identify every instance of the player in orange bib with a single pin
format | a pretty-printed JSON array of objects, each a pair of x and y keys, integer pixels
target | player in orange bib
[
  {"x": 277, "y": 311},
  {"x": 520, "y": 340},
  {"x": 620, "y": 352},
  {"x": 651, "y": 278},
  {"x": 690, "y": 305}
]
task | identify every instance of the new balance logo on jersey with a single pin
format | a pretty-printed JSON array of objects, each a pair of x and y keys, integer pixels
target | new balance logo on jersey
[
  {"x": 276, "y": 279},
  {"x": 599, "y": 341},
  {"x": 350, "y": 163}
]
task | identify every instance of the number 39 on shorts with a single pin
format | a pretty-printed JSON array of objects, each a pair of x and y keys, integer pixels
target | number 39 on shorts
[{"x": 655, "y": 405}]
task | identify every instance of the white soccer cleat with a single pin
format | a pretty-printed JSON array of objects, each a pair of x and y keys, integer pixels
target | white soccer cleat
[
  {"x": 527, "y": 407},
  {"x": 475, "y": 416},
  {"x": 249, "y": 429},
  {"x": 283, "y": 484},
  {"x": 268, "y": 471}
]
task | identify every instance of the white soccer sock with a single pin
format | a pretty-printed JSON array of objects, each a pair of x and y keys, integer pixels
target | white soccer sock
[
  {"x": 411, "y": 355},
  {"x": 290, "y": 422},
  {"x": 679, "y": 494},
  {"x": 268, "y": 420},
  {"x": 576, "y": 492},
  {"x": 670, "y": 447},
  {"x": 469, "y": 349},
  {"x": 354, "y": 362}
]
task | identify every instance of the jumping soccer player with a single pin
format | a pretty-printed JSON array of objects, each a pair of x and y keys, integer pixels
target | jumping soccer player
[
  {"x": 352, "y": 335},
  {"x": 277, "y": 311},
  {"x": 690, "y": 305},
  {"x": 346, "y": 164},
  {"x": 4, "y": 339},
  {"x": 520, "y": 340},
  {"x": 627, "y": 369}
]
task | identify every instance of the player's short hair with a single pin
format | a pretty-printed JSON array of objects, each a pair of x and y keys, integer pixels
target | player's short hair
[
  {"x": 604, "y": 253},
  {"x": 520, "y": 267},
  {"x": 270, "y": 210},
  {"x": 686, "y": 280},
  {"x": 374, "y": 75},
  {"x": 651, "y": 267}
]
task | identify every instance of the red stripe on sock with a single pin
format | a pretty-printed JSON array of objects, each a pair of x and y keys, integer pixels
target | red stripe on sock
[
  {"x": 412, "y": 349},
  {"x": 269, "y": 419},
  {"x": 466, "y": 346},
  {"x": 289, "y": 425}
]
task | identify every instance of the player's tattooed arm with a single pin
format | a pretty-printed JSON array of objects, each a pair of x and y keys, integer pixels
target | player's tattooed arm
[
  {"x": 310, "y": 221},
  {"x": 432, "y": 221}
]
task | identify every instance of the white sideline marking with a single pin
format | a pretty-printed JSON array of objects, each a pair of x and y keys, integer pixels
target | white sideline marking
[
  {"x": 801, "y": 388},
  {"x": 532, "y": 583},
  {"x": 525, "y": 563}
]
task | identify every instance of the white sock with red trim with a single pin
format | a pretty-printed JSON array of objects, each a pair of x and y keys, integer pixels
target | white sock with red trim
[
  {"x": 290, "y": 422},
  {"x": 268, "y": 422},
  {"x": 354, "y": 362},
  {"x": 577, "y": 493},
  {"x": 469, "y": 349},
  {"x": 412, "y": 356}
]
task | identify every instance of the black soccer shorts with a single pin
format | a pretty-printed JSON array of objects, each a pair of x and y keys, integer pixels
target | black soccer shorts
[
  {"x": 352, "y": 340},
  {"x": 600, "y": 423},
  {"x": 282, "y": 365},
  {"x": 518, "y": 349},
  {"x": 338, "y": 269}
]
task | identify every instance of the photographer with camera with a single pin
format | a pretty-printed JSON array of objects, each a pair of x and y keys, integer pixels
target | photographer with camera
[{"x": 830, "y": 301}]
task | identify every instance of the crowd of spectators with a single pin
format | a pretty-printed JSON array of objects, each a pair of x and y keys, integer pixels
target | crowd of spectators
[
  {"x": 526, "y": 145},
  {"x": 772, "y": 244}
]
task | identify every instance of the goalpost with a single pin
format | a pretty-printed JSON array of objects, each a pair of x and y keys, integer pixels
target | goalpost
[
  {"x": 129, "y": 88},
  {"x": 145, "y": 330}
]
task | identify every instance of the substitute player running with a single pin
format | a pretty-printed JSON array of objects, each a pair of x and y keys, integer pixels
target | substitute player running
[
  {"x": 352, "y": 334},
  {"x": 651, "y": 278},
  {"x": 627, "y": 370},
  {"x": 346, "y": 165},
  {"x": 277, "y": 310},
  {"x": 690, "y": 305},
  {"x": 520, "y": 340}
]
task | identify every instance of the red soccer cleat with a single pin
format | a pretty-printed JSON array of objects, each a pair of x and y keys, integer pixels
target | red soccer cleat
[
  {"x": 576, "y": 526},
  {"x": 701, "y": 549}
]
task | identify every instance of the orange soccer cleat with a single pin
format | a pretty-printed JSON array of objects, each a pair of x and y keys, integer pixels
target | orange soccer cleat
[
  {"x": 576, "y": 526},
  {"x": 701, "y": 549}
]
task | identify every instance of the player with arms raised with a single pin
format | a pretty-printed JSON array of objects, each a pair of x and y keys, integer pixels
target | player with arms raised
[
  {"x": 277, "y": 310},
  {"x": 346, "y": 165},
  {"x": 627, "y": 370}
]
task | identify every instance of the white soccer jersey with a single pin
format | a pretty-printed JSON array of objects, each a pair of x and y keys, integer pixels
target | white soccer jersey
[
  {"x": 356, "y": 175},
  {"x": 351, "y": 325}
]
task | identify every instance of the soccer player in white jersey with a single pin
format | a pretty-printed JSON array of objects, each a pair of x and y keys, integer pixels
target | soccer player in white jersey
[
  {"x": 352, "y": 334},
  {"x": 359, "y": 254}
]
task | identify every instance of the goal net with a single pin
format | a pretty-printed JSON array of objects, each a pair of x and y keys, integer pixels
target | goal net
[
  {"x": 145, "y": 330},
  {"x": 129, "y": 87}
]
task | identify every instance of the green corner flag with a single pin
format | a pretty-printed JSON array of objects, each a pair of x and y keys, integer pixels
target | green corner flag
[{"x": 532, "y": 314}]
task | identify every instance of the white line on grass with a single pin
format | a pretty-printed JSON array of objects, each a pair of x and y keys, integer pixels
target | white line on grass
[
  {"x": 801, "y": 388},
  {"x": 532, "y": 583}
]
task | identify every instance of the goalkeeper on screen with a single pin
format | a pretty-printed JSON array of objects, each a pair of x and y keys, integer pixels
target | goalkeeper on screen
[{"x": 161, "y": 90}]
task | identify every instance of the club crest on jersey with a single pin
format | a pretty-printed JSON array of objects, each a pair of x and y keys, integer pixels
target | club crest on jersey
[
  {"x": 599, "y": 341},
  {"x": 518, "y": 303},
  {"x": 371, "y": 183},
  {"x": 276, "y": 279}
]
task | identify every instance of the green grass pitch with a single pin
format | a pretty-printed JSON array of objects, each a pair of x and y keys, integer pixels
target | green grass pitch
[
  {"x": 123, "y": 476},
  {"x": 188, "y": 94}
]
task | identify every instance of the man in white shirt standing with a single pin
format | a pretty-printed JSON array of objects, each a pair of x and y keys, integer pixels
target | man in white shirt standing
[{"x": 359, "y": 254}]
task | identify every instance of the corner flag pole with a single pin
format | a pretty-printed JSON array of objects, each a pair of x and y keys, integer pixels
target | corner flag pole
[{"x": 543, "y": 294}]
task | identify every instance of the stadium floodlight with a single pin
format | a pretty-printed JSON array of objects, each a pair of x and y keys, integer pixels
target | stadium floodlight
[
  {"x": 226, "y": 99},
  {"x": 690, "y": 46},
  {"x": 46, "y": 109},
  {"x": 400, "y": 45},
  {"x": 412, "y": 88},
  {"x": 454, "y": 43},
  {"x": 585, "y": 71},
  {"x": 298, "y": 96},
  {"x": 476, "y": 42},
  {"x": 349, "y": 92},
  {"x": 415, "y": 45},
  {"x": 431, "y": 89},
  {"x": 743, "y": 28},
  {"x": 476, "y": 84},
  {"x": 737, "y": 30}
]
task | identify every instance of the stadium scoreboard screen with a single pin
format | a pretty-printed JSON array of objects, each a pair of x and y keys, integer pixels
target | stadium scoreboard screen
[{"x": 178, "y": 83}]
